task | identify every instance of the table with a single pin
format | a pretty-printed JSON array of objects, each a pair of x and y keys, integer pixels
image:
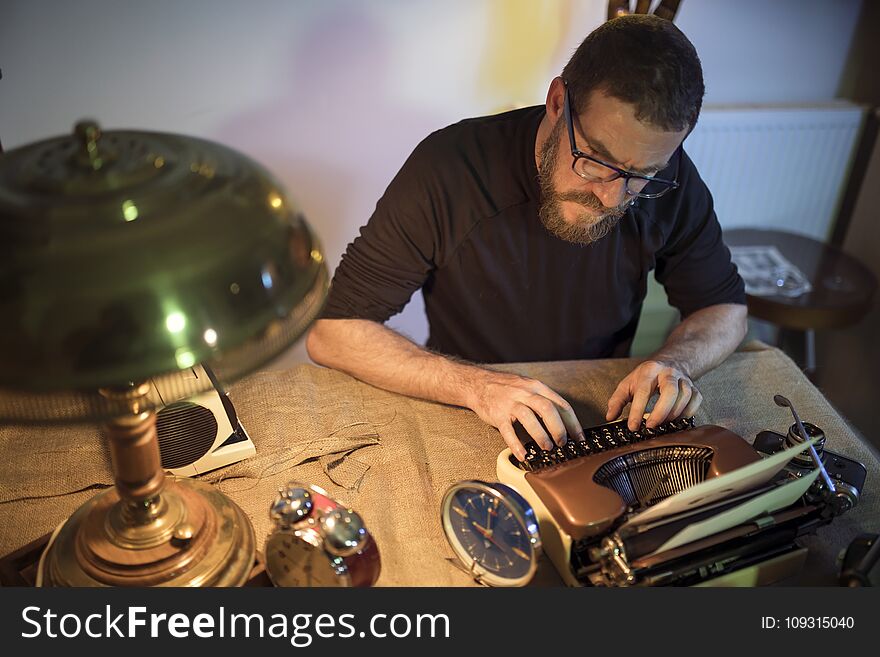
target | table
[
  {"x": 392, "y": 457},
  {"x": 843, "y": 288}
]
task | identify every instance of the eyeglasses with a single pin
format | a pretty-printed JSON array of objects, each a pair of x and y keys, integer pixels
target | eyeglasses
[{"x": 595, "y": 170}]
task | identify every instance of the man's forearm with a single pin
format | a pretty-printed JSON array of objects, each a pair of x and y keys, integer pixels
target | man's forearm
[
  {"x": 377, "y": 355},
  {"x": 704, "y": 339},
  {"x": 381, "y": 357}
]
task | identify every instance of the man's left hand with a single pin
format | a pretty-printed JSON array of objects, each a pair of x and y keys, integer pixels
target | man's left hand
[{"x": 678, "y": 395}]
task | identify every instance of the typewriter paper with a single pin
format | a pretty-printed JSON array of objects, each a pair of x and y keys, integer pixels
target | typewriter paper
[
  {"x": 768, "y": 502},
  {"x": 718, "y": 488}
]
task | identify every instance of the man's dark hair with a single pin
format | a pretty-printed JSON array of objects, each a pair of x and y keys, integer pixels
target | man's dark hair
[{"x": 642, "y": 60}]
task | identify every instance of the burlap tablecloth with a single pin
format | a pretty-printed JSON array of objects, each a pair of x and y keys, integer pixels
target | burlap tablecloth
[{"x": 392, "y": 457}]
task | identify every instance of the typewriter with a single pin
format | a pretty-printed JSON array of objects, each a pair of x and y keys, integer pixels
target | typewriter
[{"x": 681, "y": 504}]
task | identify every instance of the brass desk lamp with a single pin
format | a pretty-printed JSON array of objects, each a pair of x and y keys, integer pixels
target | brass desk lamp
[{"x": 131, "y": 256}]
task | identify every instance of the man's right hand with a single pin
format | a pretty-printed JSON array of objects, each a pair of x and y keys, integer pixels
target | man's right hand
[{"x": 500, "y": 399}]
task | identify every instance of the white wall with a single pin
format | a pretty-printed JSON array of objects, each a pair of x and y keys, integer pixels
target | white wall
[
  {"x": 787, "y": 51},
  {"x": 333, "y": 95}
]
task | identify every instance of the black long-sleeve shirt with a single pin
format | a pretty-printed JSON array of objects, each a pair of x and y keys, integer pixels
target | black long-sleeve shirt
[{"x": 460, "y": 220}]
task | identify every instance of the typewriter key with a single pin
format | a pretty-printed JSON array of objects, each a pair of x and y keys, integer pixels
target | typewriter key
[{"x": 493, "y": 532}]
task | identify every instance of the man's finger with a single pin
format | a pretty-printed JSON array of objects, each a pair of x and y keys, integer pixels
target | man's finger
[
  {"x": 572, "y": 424},
  {"x": 618, "y": 400},
  {"x": 693, "y": 404},
  {"x": 512, "y": 441},
  {"x": 642, "y": 396},
  {"x": 566, "y": 412},
  {"x": 530, "y": 423},
  {"x": 685, "y": 393},
  {"x": 668, "y": 397},
  {"x": 549, "y": 413}
]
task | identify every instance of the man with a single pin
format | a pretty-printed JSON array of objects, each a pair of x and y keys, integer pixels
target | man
[{"x": 532, "y": 233}]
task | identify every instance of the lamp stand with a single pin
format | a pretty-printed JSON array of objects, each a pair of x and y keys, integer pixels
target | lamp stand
[{"x": 150, "y": 529}]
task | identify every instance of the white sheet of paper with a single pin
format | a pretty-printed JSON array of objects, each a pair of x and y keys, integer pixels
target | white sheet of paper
[
  {"x": 768, "y": 502},
  {"x": 729, "y": 484},
  {"x": 766, "y": 272}
]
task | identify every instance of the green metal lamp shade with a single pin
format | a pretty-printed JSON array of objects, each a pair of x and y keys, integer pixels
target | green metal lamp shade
[{"x": 134, "y": 255}]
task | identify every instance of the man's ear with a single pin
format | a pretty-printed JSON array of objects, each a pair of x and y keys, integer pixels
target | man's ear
[{"x": 555, "y": 99}]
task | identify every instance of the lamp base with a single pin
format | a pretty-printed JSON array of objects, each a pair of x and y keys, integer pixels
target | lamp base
[{"x": 196, "y": 536}]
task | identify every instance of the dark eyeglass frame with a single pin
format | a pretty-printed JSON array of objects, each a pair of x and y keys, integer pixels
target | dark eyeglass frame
[{"x": 578, "y": 154}]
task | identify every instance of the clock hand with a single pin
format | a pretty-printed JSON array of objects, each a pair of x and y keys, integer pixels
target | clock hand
[
  {"x": 491, "y": 511},
  {"x": 483, "y": 530},
  {"x": 487, "y": 534}
]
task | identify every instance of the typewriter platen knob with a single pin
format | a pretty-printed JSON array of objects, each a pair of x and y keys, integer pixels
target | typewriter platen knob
[
  {"x": 793, "y": 438},
  {"x": 845, "y": 497}
]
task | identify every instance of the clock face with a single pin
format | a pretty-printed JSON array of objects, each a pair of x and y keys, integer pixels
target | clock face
[
  {"x": 492, "y": 531},
  {"x": 296, "y": 558}
]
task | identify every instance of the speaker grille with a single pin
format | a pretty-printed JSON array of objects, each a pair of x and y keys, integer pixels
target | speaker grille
[{"x": 186, "y": 433}]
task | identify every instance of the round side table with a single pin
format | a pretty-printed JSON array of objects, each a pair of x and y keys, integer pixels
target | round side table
[{"x": 842, "y": 292}]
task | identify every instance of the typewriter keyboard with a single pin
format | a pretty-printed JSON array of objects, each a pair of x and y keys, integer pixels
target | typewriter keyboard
[{"x": 596, "y": 440}]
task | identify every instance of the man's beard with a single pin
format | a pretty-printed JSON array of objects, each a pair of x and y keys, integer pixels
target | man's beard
[{"x": 586, "y": 229}]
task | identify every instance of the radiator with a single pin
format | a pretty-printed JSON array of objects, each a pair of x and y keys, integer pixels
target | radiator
[{"x": 777, "y": 167}]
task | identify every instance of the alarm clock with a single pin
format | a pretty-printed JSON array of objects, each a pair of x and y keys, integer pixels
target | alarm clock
[
  {"x": 316, "y": 541},
  {"x": 493, "y": 531}
]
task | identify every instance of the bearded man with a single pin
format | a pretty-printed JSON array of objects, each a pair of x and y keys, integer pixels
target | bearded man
[{"x": 532, "y": 234}]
